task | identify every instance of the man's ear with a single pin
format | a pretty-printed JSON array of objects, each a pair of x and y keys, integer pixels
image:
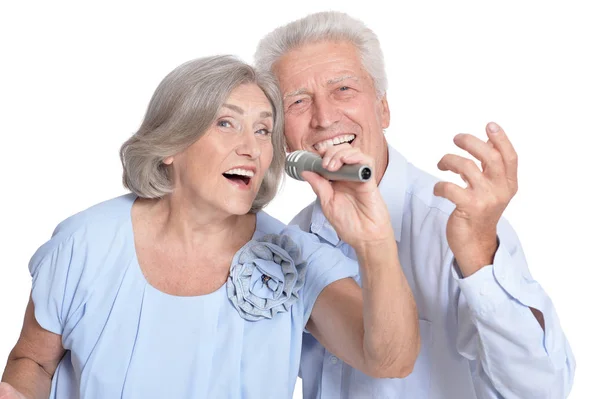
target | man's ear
[{"x": 385, "y": 112}]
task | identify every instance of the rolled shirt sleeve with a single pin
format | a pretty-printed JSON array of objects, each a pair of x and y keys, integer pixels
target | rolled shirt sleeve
[{"x": 498, "y": 329}]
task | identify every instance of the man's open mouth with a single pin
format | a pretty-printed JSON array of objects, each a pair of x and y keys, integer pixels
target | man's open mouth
[{"x": 323, "y": 145}]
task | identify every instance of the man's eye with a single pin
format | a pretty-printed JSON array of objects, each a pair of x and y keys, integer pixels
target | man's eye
[
  {"x": 298, "y": 104},
  {"x": 344, "y": 88}
]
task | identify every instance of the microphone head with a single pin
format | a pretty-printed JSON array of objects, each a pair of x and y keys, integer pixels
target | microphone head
[{"x": 292, "y": 167}]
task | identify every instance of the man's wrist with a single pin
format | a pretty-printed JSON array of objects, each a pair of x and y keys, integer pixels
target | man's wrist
[
  {"x": 472, "y": 258},
  {"x": 366, "y": 246}
]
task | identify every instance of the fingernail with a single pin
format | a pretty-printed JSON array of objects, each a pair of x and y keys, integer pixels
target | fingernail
[
  {"x": 332, "y": 163},
  {"x": 325, "y": 162},
  {"x": 494, "y": 128}
]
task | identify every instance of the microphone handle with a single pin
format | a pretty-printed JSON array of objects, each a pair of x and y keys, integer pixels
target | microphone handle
[{"x": 356, "y": 173}]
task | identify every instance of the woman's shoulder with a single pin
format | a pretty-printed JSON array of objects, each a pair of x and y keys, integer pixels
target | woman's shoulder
[
  {"x": 92, "y": 228},
  {"x": 87, "y": 252},
  {"x": 107, "y": 214}
]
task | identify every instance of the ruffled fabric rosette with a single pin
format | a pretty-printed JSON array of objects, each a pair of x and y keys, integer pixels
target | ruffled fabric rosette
[{"x": 265, "y": 277}]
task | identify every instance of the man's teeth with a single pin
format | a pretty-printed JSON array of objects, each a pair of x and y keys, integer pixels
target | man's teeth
[
  {"x": 241, "y": 172},
  {"x": 322, "y": 145}
]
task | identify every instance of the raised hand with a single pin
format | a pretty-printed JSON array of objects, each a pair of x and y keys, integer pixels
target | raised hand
[{"x": 471, "y": 229}]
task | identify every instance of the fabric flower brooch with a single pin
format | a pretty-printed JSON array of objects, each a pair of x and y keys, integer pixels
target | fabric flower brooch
[{"x": 265, "y": 277}]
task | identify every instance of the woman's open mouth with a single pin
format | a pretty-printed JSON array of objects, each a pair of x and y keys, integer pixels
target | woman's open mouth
[{"x": 239, "y": 177}]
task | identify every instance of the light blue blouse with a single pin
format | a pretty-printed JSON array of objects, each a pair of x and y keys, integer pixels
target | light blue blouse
[{"x": 126, "y": 339}]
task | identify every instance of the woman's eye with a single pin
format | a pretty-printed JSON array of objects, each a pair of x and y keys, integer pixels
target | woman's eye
[
  {"x": 224, "y": 123},
  {"x": 264, "y": 132}
]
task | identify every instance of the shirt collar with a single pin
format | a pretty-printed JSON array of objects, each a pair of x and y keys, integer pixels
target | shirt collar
[{"x": 393, "y": 190}]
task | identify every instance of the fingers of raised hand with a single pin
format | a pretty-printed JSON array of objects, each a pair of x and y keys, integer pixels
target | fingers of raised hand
[
  {"x": 464, "y": 167},
  {"x": 486, "y": 153},
  {"x": 452, "y": 192},
  {"x": 508, "y": 154}
]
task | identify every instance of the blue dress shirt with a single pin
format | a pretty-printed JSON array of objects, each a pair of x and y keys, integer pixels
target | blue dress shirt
[{"x": 479, "y": 339}]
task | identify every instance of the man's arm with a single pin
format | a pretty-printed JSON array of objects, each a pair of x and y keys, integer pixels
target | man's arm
[
  {"x": 374, "y": 330},
  {"x": 519, "y": 343},
  {"x": 33, "y": 361},
  {"x": 497, "y": 329}
]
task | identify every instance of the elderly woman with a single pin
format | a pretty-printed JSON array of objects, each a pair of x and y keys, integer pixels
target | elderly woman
[{"x": 184, "y": 288}]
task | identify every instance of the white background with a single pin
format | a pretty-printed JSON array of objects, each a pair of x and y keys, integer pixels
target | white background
[{"x": 75, "y": 80}]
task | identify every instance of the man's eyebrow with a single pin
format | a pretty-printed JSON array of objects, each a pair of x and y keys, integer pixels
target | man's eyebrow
[
  {"x": 329, "y": 82},
  {"x": 296, "y": 93},
  {"x": 341, "y": 78}
]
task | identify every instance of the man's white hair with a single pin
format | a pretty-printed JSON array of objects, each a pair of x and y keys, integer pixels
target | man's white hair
[{"x": 325, "y": 26}]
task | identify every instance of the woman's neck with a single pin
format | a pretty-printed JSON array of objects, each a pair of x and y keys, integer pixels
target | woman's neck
[{"x": 191, "y": 227}]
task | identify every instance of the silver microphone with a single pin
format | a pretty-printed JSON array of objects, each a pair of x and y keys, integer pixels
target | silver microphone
[{"x": 300, "y": 161}]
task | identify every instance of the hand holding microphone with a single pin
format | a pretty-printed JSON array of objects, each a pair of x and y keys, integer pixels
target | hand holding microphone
[
  {"x": 347, "y": 191},
  {"x": 301, "y": 161}
]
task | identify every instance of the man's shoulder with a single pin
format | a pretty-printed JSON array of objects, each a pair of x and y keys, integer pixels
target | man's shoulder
[
  {"x": 304, "y": 239},
  {"x": 267, "y": 224},
  {"x": 419, "y": 193},
  {"x": 304, "y": 217}
]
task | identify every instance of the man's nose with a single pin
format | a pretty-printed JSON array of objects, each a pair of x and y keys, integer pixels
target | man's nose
[{"x": 325, "y": 113}]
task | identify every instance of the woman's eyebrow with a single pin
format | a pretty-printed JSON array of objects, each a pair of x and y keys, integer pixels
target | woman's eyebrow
[{"x": 239, "y": 110}]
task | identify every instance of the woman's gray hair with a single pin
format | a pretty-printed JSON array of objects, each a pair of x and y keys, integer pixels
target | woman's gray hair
[
  {"x": 183, "y": 107},
  {"x": 325, "y": 26}
]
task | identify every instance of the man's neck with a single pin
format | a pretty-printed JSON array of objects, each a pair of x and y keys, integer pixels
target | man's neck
[{"x": 381, "y": 163}]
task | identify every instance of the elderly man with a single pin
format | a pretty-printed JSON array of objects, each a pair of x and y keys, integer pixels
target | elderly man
[{"x": 488, "y": 329}]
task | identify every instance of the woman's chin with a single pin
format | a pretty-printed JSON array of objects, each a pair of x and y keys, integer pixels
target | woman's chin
[{"x": 238, "y": 208}]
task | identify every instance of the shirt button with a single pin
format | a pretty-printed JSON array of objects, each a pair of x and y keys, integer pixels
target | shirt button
[
  {"x": 485, "y": 289},
  {"x": 334, "y": 360}
]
